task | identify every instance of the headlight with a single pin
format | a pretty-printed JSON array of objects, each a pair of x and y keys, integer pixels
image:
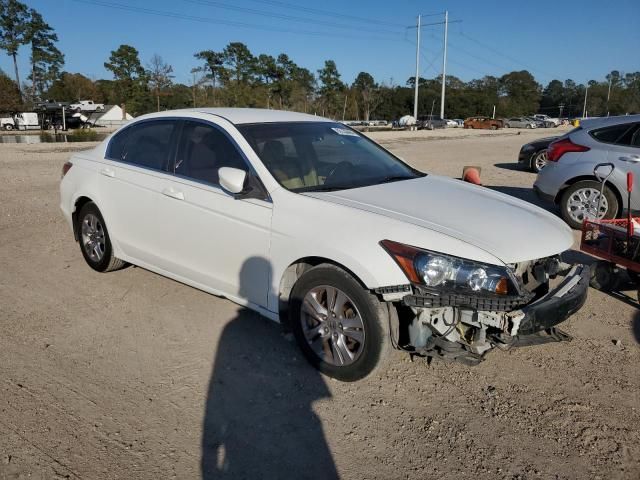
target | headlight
[{"x": 441, "y": 271}]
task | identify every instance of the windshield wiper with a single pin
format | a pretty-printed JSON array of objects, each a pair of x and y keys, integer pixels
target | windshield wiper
[
  {"x": 395, "y": 178},
  {"x": 323, "y": 188}
]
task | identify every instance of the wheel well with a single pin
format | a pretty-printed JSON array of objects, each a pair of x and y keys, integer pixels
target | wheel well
[
  {"x": 293, "y": 272},
  {"x": 611, "y": 186},
  {"x": 80, "y": 202}
]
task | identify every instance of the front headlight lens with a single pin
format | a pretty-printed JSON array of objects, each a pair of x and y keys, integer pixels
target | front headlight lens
[{"x": 437, "y": 270}]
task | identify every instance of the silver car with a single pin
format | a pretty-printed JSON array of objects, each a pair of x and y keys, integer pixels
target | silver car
[
  {"x": 568, "y": 179},
  {"x": 519, "y": 122}
]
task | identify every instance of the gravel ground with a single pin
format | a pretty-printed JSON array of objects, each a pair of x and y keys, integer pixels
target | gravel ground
[{"x": 132, "y": 375}]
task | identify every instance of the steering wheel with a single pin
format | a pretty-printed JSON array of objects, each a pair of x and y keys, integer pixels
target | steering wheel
[{"x": 340, "y": 170}]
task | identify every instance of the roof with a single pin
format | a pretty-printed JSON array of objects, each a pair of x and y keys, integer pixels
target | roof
[
  {"x": 604, "y": 121},
  {"x": 248, "y": 115}
]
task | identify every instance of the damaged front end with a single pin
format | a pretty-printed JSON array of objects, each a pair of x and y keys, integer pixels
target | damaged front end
[{"x": 459, "y": 324}]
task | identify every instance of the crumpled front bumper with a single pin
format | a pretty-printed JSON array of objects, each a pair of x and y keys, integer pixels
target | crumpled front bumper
[
  {"x": 557, "y": 305},
  {"x": 517, "y": 315}
]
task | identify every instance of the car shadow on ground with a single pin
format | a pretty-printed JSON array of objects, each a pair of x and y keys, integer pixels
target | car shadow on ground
[
  {"x": 259, "y": 421},
  {"x": 635, "y": 326},
  {"x": 512, "y": 166}
]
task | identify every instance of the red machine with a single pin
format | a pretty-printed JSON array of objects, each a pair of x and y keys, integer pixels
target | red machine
[{"x": 616, "y": 242}]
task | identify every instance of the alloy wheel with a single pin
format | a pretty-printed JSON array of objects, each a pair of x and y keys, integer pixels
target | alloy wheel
[
  {"x": 93, "y": 238},
  {"x": 332, "y": 325},
  {"x": 541, "y": 160},
  {"x": 583, "y": 204}
]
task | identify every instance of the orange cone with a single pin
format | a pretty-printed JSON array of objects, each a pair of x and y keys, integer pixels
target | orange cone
[{"x": 471, "y": 175}]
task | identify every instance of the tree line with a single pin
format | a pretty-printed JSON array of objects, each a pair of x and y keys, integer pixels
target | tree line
[{"x": 236, "y": 77}]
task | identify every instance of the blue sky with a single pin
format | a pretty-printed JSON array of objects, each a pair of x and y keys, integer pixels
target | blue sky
[{"x": 578, "y": 39}]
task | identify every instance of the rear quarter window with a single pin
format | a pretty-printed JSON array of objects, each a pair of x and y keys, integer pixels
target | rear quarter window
[{"x": 616, "y": 134}]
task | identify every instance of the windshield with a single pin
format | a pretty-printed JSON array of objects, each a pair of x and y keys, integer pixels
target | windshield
[{"x": 322, "y": 156}]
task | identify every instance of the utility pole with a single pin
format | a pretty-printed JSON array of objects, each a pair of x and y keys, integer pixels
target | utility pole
[
  {"x": 493, "y": 115},
  {"x": 344, "y": 109},
  {"x": 417, "y": 77},
  {"x": 584, "y": 108},
  {"x": 444, "y": 63},
  {"x": 609, "y": 94}
]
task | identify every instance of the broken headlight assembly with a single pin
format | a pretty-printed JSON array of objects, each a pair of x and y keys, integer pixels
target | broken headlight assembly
[{"x": 443, "y": 272}]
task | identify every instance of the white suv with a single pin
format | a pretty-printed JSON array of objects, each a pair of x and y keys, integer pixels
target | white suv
[{"x": 307, "y": 221}]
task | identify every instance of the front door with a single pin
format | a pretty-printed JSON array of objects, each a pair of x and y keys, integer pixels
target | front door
[{"x": 208, "y": 236}]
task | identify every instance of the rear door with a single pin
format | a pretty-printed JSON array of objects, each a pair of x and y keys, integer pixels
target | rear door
[
  {"x": 130, "y": 179},
  {"x": 207, "y": 236},
  {"x": 622, "y": 143}
]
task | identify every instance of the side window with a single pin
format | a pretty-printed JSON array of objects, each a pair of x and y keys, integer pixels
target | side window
[
  {"x": 635, "y": 141},
  {"x": 203, "y": 150},
  {"x": 147, "y": 144},
  {"x": 117, "y": 144},
  {"x": 618, "y": 134}
]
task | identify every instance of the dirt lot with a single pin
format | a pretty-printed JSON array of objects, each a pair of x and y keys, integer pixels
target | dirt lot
[{"x": 131, "y": 375}]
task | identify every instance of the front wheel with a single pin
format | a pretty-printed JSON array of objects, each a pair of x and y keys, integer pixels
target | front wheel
[
  {"x": 341, "y": 328},
  {"x": 8, "y": 127},
  {"x": 581, "y": 201},
  {"x": 95, "y": 243}
]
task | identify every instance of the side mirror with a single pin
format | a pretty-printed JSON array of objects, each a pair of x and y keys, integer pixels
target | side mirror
[{"x": 232, "y": 179}]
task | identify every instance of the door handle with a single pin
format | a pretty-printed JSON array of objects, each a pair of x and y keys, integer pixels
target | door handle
[
  {"x": 170, "y": 192},
  {"x": 107, "y": 172},
  {"x": 630, "y": 158}
]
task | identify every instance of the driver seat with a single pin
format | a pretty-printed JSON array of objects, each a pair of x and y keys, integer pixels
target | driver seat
[{"x": 285, "y": 169}]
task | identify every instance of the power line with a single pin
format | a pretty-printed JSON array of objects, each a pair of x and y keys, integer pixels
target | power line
[
  {"x": 327, "y": 13},
  {"x": 508, "y": 57},
  {"x": 281, "y": 16},
  {"x": 194, "y": 18}
]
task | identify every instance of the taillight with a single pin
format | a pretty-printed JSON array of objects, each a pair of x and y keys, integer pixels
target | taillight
[
  {"x": 65, "y": 168},
  {"x": 560, "y": 147}
]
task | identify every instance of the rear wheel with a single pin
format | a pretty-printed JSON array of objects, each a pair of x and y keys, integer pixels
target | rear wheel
[
  {"x": 341, "y": 328},
  {"x": 538, "y": 161},
  {"x": 95, "y": 243},
  {"x": 494, "y": 127},
  {"x": 581, "y": 201}
]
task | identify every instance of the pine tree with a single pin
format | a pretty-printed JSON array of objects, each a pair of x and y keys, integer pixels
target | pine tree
[{"x": 14, "y": 30}]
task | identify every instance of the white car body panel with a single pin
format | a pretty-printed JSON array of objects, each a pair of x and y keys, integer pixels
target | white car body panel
[{"x": 202, "y": 236}]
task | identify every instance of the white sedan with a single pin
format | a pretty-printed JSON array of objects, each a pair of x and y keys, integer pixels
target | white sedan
[{"x": 308, "y": 222}]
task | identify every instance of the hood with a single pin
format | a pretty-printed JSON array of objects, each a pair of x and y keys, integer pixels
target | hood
[{"x": 509, "y": 229}]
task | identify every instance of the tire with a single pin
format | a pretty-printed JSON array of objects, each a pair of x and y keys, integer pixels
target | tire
[
  {"x": 538, "y": 161},
  {"x": 92, "y": 228},
  {"x": 8, "y": 127},
  {"x": 494, "y": 127},
  {"x": 604, "y": 276},
  {"x": 363, "y": 344},
  {"x": 507, "y": 125},
  {"x": 634, "y": 276},
  {"x": 528, "y": 126},
  {"x": 573, "y": 215}
]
